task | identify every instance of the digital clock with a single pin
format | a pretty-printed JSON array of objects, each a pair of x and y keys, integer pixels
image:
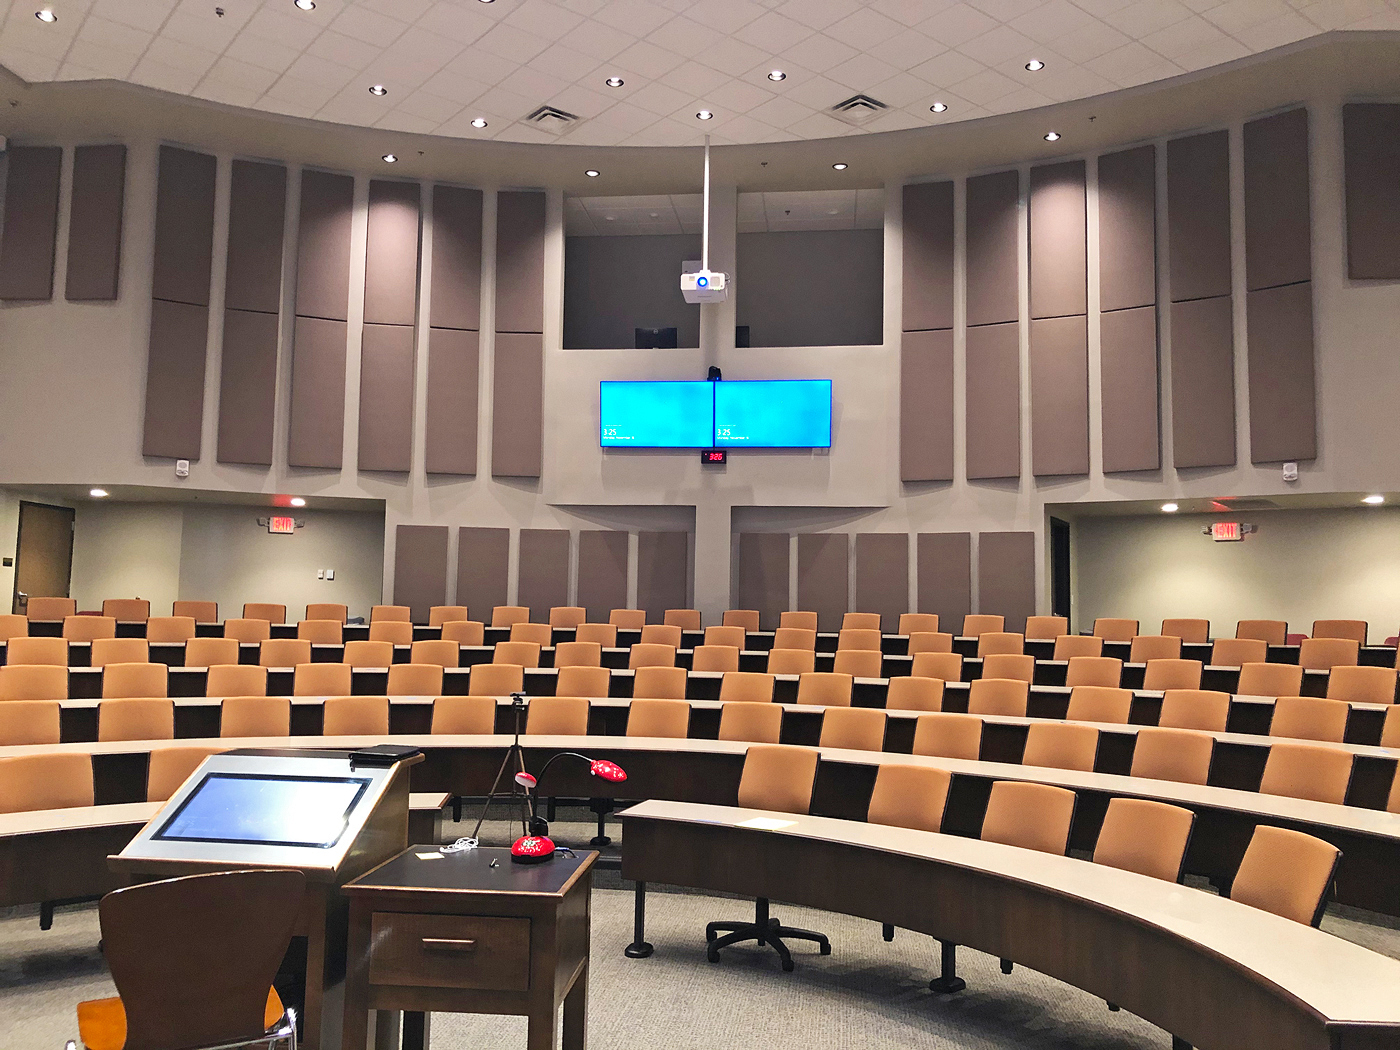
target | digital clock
[{"x": 714, "y": 456}]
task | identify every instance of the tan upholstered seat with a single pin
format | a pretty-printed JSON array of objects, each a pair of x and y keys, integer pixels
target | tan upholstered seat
[
  {"x": 162, "y": 629},
  {"x": 322, "y": 680},
  {"x": 1365, "y": 685},
  {"x": 778, "y": 778},
  {"x": 89, "y": 628},
  {"x": 327, "y": 611},
  {"x": 1267, "y": 679},
  {"x": 286, "y": 652},
  {"x": 998, "y": 696},
  {"x": 321, "y": 632},
  {"x": 651, "y": 654},
  {"x": 628, "y": 619},
  {"x": 1287, "y": 873},
  {"x": 854, "y": 728},
  {"x": 1093, "y": 670},
  {"x": 60, "y": 780},
  {"x": 1195, "y": 709},
  {"x": 990, "y": 643},
  {"x": 124, "y": 680},
  {"x": 714, "y": 658},
  {"x": 144, "y": 718},
  {"x": 395, "y": 632},
  {"x": 758, "y": 723},
  {"x": 414, "y": 680},
  {"x": 1147, "y": 647},
  {"x": 825, "y": 689},
  {"x": 540, "y": 633},
  {"x": 746, "y": 685},
  {"x": 908, "y": 693},
  {"x": 435, "y": 651},
  {"x": 557, "y": 716},
  {"x": 1046, "y": 628},
  {"x": 441, "y": 614},
  {"x": 604, "y": 634},
  {"x": 389, "y": 613},
  {"x": 36, "y": 651},
  {"x": 1068, "y": 646},
  {"x": 1099, "y": 703},
  {"x": 1115, "y": 629},
  {"x": 1270, "y": 632},
  {"x": 580, "y": 680},
  {"x": 578, "y": 654},
  {"x": 355, "y": 716},
  {"x": 859, "y": 663},
  {"x": 268, "y": 611},
  {"x": 661, "y": 634},
  {"x": 1188, "y": 630},
  {"x": 1181, "y": 755},
  {"x": 659, "y": 682},
  {"x": 658, "y": 718},
  {"x": 794, "y": 638},
  {"x": 34, "y": 681},
  {"x": 976, "y": 624},
  {"x": 241, "y": 716},
  {"x": 791, "y": 661},
  {"x": 800, "y": 618},
  {"x": 1032, "y": 816},
  {"x": 945, "y": 734},
  {"x": 464, "y": 632},
  {"x": 745, "y": 619},
  {"x": 495, "y": 679},
  {"x": 1020, "y": 666},
  {"x": 509, "y": 615},
  {"x": 468, "y": 715},
  {"x": 49, "y": 609},
  {"x": 202, "y": 612},
  {"x": 209, "y": 652},
  {"x": 526, "y": 654},
  {"x": 726, "y": 635},
  {"x": 1353, "y": 629},
  {"x": 567, "y": 617},
  {"x": 13, "y": 625},
  {"x": 128, "y": 610},
  {"x": 1149, "y": 838},
  {"x": 1307, "y": 771},
  {"x": 119, "y": 651},
  {"x": 1310, "y": 718},
  {"x": 944, "y": 666},
  {"x": 1236, "y": 652},
  {"x": 929, "y": 642},
  {"x": 1172, "y": 674},
  {"x": 169, "y": 767},
  {"x": 909, "y": 797},
  {"x": 248, "y": 630},
  {"x": 918, "y": 623},
  {"x": 1061, "y": 745},
  {"x": 685, "y": 619},
  {"x": 861, "y": 621},
  {"x": 29, "y": 722},
  {"x": 1323, "y": 654},
  {"x": 236, "y": 680}
]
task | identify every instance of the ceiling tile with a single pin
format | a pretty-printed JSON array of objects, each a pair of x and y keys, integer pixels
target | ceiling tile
[
  {"x": 947, "y": 69},
  {"x": 818, "y": 93},
  {"x": 910, "y": 12},
  {"x": 398, "y": 120},
  {"x": 865, "y": 28},
  {"x": 1095, "y": 39},
  {"x": 164, "y": 78},
  {"x": 1005, "y": 10},
  {"x": 581, "y": 101},
  {"x": 176, "y": 55},
  {"x": 429, "y": 106},
  {"x": 1148, "y": 16},
  {"x": 986, "y": 87},
  {"x": 543, "y": 19},
  {"x": 226, "y": 93},
  {"x": 107, "y": 61},
  {"x": 819, "y": 13},
  {"x": 861, "y": 73},
  {"x": 956, "y": 25},
  {"x": 819, "y": 52},
  {"x": 685, "y": 37},
  {"x": 187, "y": 27},
  {"x": 369, "y": 26},
  {"x": 106, "y": 33},
  {"x": 773, "y": 32},
  {"x": 658, "y": 98},
  {"x": 510, "y": 43},
  {"x": 1226, "y": 49},
  {"x": 303, "y": 94},
  {"x": 149, "y": 15},
  {"x": 345, "y": 50},
  {"x": 238, "y": 74},
  {"x": 1052, "y": 20},
  {"x": 638, "y": 17},
  {"x": 455, "y": 22},
  {"x": 738, "y": 97},
  {"x": 452, "y": 85},
  {"x": 902, "y": 89},
  {"x": 695, "y": 79},
  {"x": 1001, "y": 46},
  {"x": 275, "y": 24},
  {"x": 1183, "y": 37},
  {"x": 626, "y": 116},
  {"x": 736, "y": 57},
  {"x": 906, "y": 49},
  {"x": 534, "y": 84},
  {"x": 728, "y": 16},
  {"x": 648, "y": 60}
]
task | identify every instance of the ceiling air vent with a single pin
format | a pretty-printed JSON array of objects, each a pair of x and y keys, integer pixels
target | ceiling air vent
[
  {"x": 858, "y": 109},
  {"x": 551, "y": 120}
]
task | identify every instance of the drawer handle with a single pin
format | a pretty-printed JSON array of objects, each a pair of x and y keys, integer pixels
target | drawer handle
[{"x": 444, "y": 944}]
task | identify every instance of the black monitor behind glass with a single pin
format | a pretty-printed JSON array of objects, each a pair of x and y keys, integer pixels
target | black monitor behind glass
[{"x": 655, "y": 339}]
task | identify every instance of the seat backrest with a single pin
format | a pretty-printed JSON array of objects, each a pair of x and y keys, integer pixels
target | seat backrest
[
  {"x": 50, "y": 609},
  {"x": 605, "y": 634},
  {"x": 557, "y": 716},
  {"x": 651, "y": 654},
  {"x": 1093, "y": 670},
  {"x": 1187, "y": 629},
  {"x": 1265, "y": 679},
  {"x": 1149, "y": 838},
  {"x": 861, "y": 621},
  {"x": 390, "y": 613},
  {"x": 1009, "y": 665},
  {"x": 355, "y": 716},
  {"x": 89, "y": 628},
  {"x": 856, "y": 728},
  {"x": 1307, "y": 771},
  {"x": 794, "y": 638},
  {"x": 436, "y": 651},
  {"x": 1115, "y": 629},
  {"x": 714, "y": 658},
  {"x": 859, "y": 663},
  {"x": 13, "y": 625},
  {"x": 34, "y": 682},
  {"x": 131, "y": 610},
  {"x": 464, "y": 632},
  {"x": 1390, "y": 728},
  {"x": 661, "y": 634},
  {"x": 778, "y": 777},
  {"x": 1287, "y": 873},
  {"x": 395, "y": 632},
  {"x": 321, "y": 632},
  {"x": 825, "y": 688},
  {"x": 1236, "y": 652},
  {"x": 929, "y": 642},
  {"x": 441, "y": 614},
  {"x": 1032, "y": 816},
  {"x": 566, "y": 616},
  {"x": 526, "y": 654},
  {"x": 729, "y": 635},
  {"x": 758, "y": 723},
  {"x": 209, "y": 652},
  {"x": 236, "y": 680},
  {"x": 1099, "y": 703},
  {"x": 660, "y": 718},
  {"x": 288, "y": 652},
  {"x": 910, "y": 693},
  {"x": 1068, "y": 646},
  {"x": 509, "y": 615},
  {"x": 119, "y": 651},
  {"x": 992, "y": 642},
  {"x": 746, "y": 685},
  {"x": 170, "y": 628},
  {"x": 1154, "y": 647},
  {"x": 1310, "y": 718},
  {"x": 1195, "y": 709},
  {"x": 29, "y": 722},
  {"x": 414, "y": 680},
  {"x": 578, "y": 654},
  {"x": 471, "y": 715},
  {"x": 1181, "y": 755},
  {"x": 798, "y": 618},
  {"x": 745, "y": 619},
  {"x": 909, "y": 797},
  {"x": 1367, "y": 685},
  {"x": 495, "y": 679},
  {"x": 540, "y": 633},
  {"x": 1172, "y": 674},
  {"x": 791, "y": 661},
  {"x": 918, "y": 623},
  {"x": 179, "y": 990},
  {"x": 255, "y": 716},
  {"x": 1323, "y": 654},
  {"x": 169, "y": 767},
  {"x": 327, "y": 611},
  {"x": 1270, "y": 632},
  {"x": 268, "y": 611},
  {"x": 146, "y": 718},
  {"x": 628, "y": 619},
  {"x": 58, "y": 780},
  {"x": 248, "y": 630},
  {"x": 944, "y": 666},
  {"x": 581, "y": 680},
  {"x": 998, "y": 696},
  {"x": 35, "y": 651},
  {"x": 945, "y": 734},
  {"x": 1046, "y": 628},
  {"x": 975, "y": 624},
  {"x": 659, "y": 682},
  {"x": 1061, "y": 745},
  {"x": 1353, "y": 629},
  {"x": 685, "y": 619},
  {"x": 124, "y": 680}
]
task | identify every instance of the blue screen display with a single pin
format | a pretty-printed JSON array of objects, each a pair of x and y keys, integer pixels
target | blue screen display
[
  {"x": 656, "y": 415},
  {"x": 793, "y": 413},
  {"x": 279, "y": 811}
]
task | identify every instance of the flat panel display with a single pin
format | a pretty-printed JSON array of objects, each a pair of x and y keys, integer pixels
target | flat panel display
[
  {"x": 266, "y": 809},
  {"x": 790, "y": 413},
  {"x": 655, "y": 415}
]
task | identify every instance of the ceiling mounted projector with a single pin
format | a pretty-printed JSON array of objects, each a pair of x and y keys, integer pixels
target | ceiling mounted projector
[{"x": 705, "y": 285}]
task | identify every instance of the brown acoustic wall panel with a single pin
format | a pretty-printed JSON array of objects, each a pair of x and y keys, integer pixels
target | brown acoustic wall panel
[
  {"x": 1059, "y": 248},
  {"x": 386, "y": 397},
  {"x": 543, "y": 581},
  {"x": 1128, "y": 229},
  {"x": 926, "y": 406},
  {"x": 456, "y": 284},
  {"x": 257, "y": 208},
  {"x": 318, "y": 394},
  {"x": 822, "y": 574},
  {"x": 1198, "y": 215},
  {"x": 765, "y": 567},
  {"x": 1060, "y": 395},
  {"x": 247, "y": 387},
  {"x": 95, "y": 222},
  {"x": 1128, "y": 367},
  {"x": 882, "y": 575},
  {"x": 994, "y": 401},
  {"x": 420, "y": 568},
  {"x": 1371, "y": 144},
  {"x": 483, "y": 570},
  {"x": 450, "y": 441},
  {"x": 519, "y": 262},
  {"x": 1006, "y": 576},
  {"x": 992, "y": 233},
  {"x": 1203, "y": 383},
  {"x": 945, "y": 577},
  {"x": 1282, "y": 391},
  {"x": 184, "y": 251},
  {"x": 602, "y": 572},
  {"x": 1277, "y": 204},
  {"x": 175, "y": 379},
  {"x": 928, "y": 256},
  {"x": 27, "y": 242},
  {"x": 517, "y": 405},
  {"x": 323, "y": 245},
  {"x": 663, "y": 572},
  {"x": 391, "y": 253}
]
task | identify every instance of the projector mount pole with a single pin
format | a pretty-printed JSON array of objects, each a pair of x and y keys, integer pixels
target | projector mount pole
[{"x": 705, "y": 218}]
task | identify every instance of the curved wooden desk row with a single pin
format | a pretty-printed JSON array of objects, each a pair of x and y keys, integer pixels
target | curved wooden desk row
[{"x": 1213, "y": 972}]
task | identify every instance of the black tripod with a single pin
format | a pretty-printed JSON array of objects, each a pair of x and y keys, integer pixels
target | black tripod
[{"x": 515, "y": 756}]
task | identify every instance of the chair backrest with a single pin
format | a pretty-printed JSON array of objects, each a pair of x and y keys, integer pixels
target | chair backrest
[
  {"x": 651, "y": 654},
  {"x": 1172, "y": 674},
  {"x": 255, "y": 716},
  {"x": 910, "y": 693},
  {"x": 268, "y": 611},
  {"x": 758, "y": 723},
  {"x": 578, "y": 654},
  {"x": 58, "y": 780},
  {"x": 132, "y": 610},
  {"x": 945, "y": 734},
  {"x": 1323, "y": 654},
  {"x": 327, "y": 611},
  {"x": 685, "y": 619},
  {"x": 1195, "y": 709},
  {"x": 50, "y": 609},
  {"x": 236, "y": 680},
  {"x": 856, "y": 728},
  {"x": 526, "y": 654},
  {"x": 976, "y": 624},
  {"x": 1236, "y": 652},
  {"x": 1032, "y": 816},
  {"x": 13, "y": 625},
  {"x": 918, "y": 623},
  {"x": 1390, "y": 728},
  {"x": 436, "y": 651},
  {"x": 210, "y": 652},
  {"x": 1307, "y": 771},
  {"x": 1353, "y": 629},
  {"x": 288, "y": 652},
  {"x": 414, "y": 680},
  {"x": 89, "y": 628},
  {"x": 605, "y": 634},
  {"x": 944, "y": 666},
  {"x": 119, "y": 651},
  {"x": 1310, "y": 718},
  {"x": 991, "y": 642},
  {"x": 746, "y": 685},
  {"x": 779, "y": 778},
  {"x": 170, "y": 628},
  {"x": 929, "y": 642},
  {"x": 628, "y": 619},
  {"x": 1265, "y": 679},
  {"x": 1115, "y": 629},
  {"x": 1367, "y": 685},
  {"x": 798, "y": 618},
  {"x": 1068, "y": 646},
  {"x": 825, "y": 688},
  {"x": 395, "y": 632},
  {"x": 566, "y": 616},
  {"x": 714, "y": 658},
  {"x": 390, "y": 613},
  {"x": 1149, "y": 838},
  {"x": 34, "y": 681},
  {"x": 909, "y": 797},
  {"x": 1093, "y": 670},
  {"x": 147, "y": 718},
  {"x": 35, "y": 651},
  {"x": 1147, "y": 647},
  {"x": 321, "y": 632},
  {"x": 1270, "y": 632},
  {"x": 998, "y": 696},
  {"x": 861, "y": 621},
  {"x": 441, "y": 614},
  {"x": 661, "y": 634},
  {"x": 355, "y": 716},
  {"x": 659, "y": 682},
  {"x": 464, "y": 632},
  {"x": 509, "y": 615},
  {"x": 471, "y": 715},
  {"x": 1181, "y": 755},
  {"x": 1099, "y": 703},
  {"x": 29, "y": 722},
  {"x": 1187, "y": 629},
  {"x": 794, "y": 638},
  {"x": 1061, "y": 745},
  {"x": 791, "y": 661},
  {"x": 661, "y": 718},
  {"x": 727, "y": 634},
  {"x": 1046, "y": 628},
  {"x": 557, "y": 716},
  {"x": 1287, "y": 873},
  {"x": 125, "y": 680},
  {"x": 582, "y": 680},
  {"x": 179, "y": 990},
  {"x": 540, "y": 633},
  {"x": 169, "y": 767},
  {"x": 859, "y": 663},
  {"x": 495, "y": 679},
  {"x": 1009, "y": 665},
  {"x": 248, "y": 630},
  {"x": 745, "y": 619}
]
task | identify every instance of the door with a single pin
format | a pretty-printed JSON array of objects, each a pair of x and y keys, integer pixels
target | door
[
  {"x": 1059, "y": 569},
  {"x": 43, "y": 553}
]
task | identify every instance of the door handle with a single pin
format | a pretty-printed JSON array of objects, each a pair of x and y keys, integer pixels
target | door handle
[{"x": 444, "y": 944}]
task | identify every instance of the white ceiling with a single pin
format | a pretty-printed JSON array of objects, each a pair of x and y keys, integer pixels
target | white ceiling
[
  {"x": 758, "y": 213},
  {"x": 447, "y": 62}
]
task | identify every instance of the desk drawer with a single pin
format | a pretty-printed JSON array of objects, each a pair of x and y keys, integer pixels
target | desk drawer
[{"x": 450, "y": 951}]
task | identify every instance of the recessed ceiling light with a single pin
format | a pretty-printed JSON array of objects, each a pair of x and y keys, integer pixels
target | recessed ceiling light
[
  {"x": 592, "y": 174},
  {"x": 305, "y": 5},
  {"x": 97, "y": 493},
  {"x": 1374, "y": 500},
  {"x": 479, "y": 122},
  {"x": 704, "y": 114},
  {"x": 1052, "y": 136},
  {"x": 46, "y": 15},
  {"x": 378, "y": 89},
  {"x": 614, "y": 82},
  {"x": 1035, "y": 65},
  {"x": 1169, "y": 508},
  {"x": 777, "y": 75},
  {"x": 389, "y": 158},
  {"x": 297, "y": 501},
  {"x": 839, "y": 167},
  {"x": 939, "y": 107}
]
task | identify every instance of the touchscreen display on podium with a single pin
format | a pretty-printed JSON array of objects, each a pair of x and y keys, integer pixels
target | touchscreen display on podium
[{"x": 280, "y": 811}]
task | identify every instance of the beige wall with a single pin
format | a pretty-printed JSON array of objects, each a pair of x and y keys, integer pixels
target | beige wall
[{"x": 127, "y": 550}]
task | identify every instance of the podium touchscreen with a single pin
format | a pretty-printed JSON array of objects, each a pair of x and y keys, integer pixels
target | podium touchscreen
[{"x": 271, "y": 810}]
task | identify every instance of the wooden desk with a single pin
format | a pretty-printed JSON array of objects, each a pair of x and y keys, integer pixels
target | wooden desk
[{"x": 469, "y": 932}]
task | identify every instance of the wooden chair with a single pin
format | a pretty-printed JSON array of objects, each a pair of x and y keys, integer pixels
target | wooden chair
[
  {"x": 1195, "y": 709},
  {"x": 355, "y": 716},
  {"x": 990, "y": 643},
  {"x": 754, "y": 723},
  {"x": 241, "y": 716},
  {"x": 800, "y": 618},
  {"x": 120, "y": 681},
  {"x": 791, "y": 661},
  {"x": 853, "y": 728},
  {"x": 1188, "y": 630},
  {"x": 1147, "y": 647},
  {"x": 714, "y": 658},
  {"x": 285, "y": 652},
  {"x": 540, "y": 633},
  {"x": 794, "y": 638},
  {"x": 998, "y": 696},
  {"x": 746, "y": 619},
  {"x": 825, "y": 689},
  {"x": 659, "y": 682},
  {"x": 466, "y": 715},
  {"x": 945, "y": 734},
  {"x": 464, "y": 632},
  {"x": 753, "y": 686},
  {"x": 557, "y": 716},
  {"x": 166, "y": 629},
  {"x": 581, "y": 680},
  {"x": 1068, "y": 646},
  {"x": 1309, "y": 771},
  {"x": 1046, "y": 628},
  {"x": 526, "y": 654},
  {"x": 321, "y": 632},
  {"x": 1061, "y": 745},
  {"x": 859, "y": 663},
  {"x": 34, "y": 681},
  {"x": 1094, "y": 670},
  {"x": 908, "y": 693},
  {"x": 270, "y": 612},
  {"x": 236, "y": 680},
  {"x": 57, "y": 780},
  {"x": 1149, "y": 838},
  {"x": 202, "y": 612},
  {"x": 136, "y": 719},
  {"x": 119, "y": 651},
  {"x": 436, "y": 651},
  {"x": 1180, "y": 755},
  {"x": 565, "y": 617},
  {"x": 1115, "y": 629},
  {"x": 441, "y": 614},
  {"x": 1287, "y": 873},
  {"x": 658, "y": 718},
  {"x": 495, "y": 679}
]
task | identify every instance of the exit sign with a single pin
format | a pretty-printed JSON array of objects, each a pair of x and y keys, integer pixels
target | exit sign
[
  {"x": 281, "y": 525},
  {"x": 1228, "y": 531}
]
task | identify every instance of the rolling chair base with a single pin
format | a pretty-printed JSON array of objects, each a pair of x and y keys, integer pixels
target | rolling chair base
[{"x": 764, "y": 930}]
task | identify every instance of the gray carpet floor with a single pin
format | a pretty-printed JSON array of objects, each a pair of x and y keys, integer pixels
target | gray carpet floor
[{"x": 867, "y": 993}]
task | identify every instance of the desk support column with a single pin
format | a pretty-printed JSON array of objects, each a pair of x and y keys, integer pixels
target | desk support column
[
  {"x": 948, "y": 980},
  {"x": 639, "y": 948}
]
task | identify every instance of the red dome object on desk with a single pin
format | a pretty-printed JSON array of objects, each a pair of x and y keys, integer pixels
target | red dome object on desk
[
  {"x": 601, "y": 767},
  {"x": 531, "y": 849}
]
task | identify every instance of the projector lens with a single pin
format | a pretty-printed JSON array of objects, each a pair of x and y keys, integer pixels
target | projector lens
[{"x": 703, "y": 282}]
